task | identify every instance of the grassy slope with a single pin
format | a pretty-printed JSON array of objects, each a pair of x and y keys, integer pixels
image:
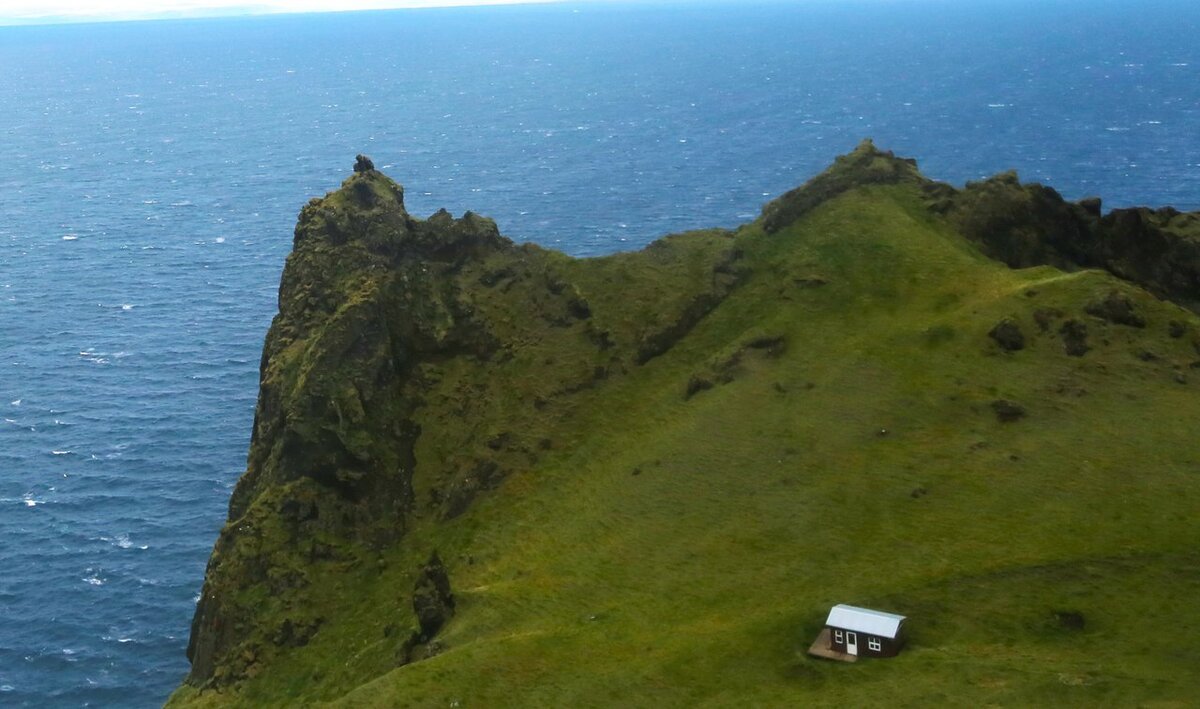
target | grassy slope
[{"x": 683, "y": 552}]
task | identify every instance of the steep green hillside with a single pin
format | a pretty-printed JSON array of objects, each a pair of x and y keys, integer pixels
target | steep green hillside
[{"x": 649, "y": 476}]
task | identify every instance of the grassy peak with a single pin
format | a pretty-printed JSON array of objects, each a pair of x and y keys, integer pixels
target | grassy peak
[{"x": 865, "y": 165}]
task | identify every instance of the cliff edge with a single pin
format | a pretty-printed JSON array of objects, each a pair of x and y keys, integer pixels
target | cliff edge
[{"x": 391, "y": 331}]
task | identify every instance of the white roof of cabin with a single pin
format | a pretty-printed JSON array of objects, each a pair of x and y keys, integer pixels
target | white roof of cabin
[{"x": 865, "y": 620}]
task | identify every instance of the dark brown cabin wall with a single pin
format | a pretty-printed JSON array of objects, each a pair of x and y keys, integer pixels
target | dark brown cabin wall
[
  {"x": 888, "y": 646},
  {"x": 892, "y": 647},
  {"x": 833, "y": 643}
]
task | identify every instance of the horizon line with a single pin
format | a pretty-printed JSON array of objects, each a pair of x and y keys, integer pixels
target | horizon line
[{"x": 254, "y": 10}]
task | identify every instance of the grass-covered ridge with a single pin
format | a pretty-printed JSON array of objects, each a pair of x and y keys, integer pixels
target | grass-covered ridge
[{"x": 650, "y": 475}]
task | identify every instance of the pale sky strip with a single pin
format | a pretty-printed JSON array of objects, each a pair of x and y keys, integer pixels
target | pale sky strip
[{"x": 26, "y": 10}]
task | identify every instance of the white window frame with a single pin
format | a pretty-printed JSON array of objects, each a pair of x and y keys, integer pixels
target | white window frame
[
  {"x": 839, "y": 637},
  {"x": 874, "y": 643}
]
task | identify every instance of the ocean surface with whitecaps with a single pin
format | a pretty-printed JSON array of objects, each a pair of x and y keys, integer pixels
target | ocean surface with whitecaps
[{"x": 151, "y": 173}]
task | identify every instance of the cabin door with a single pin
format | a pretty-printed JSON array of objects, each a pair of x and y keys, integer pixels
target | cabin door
[{"x": 851, "y": 643}]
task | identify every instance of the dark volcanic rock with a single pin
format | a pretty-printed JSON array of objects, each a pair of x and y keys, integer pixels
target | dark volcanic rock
[
  {"x": 297, "y": 633},
  {"x": 1045, "y": 317},
  {"x": 1158, "y": 249},
  {"x": 1030, "y": 225},
  {"x": 1074, "y": 334},
  {"x": 1007, "y": 335},
  {"x": 432, "y": 599},
  {"x": 1116, "y": 308},
  {"x": 1021, "y": 225},
  {"x": 1008, "y": 411}
]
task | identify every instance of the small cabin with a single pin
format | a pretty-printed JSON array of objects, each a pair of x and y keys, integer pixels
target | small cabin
[{"x": 852, "y": 632}]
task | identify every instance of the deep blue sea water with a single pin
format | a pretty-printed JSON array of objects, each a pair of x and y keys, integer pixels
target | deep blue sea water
[{"x": 150, "y": 175}]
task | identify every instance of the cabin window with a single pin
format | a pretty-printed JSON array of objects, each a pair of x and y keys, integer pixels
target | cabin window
[
  {"x": 838, "y": 636},
  {"x": 874, "y": 644}
]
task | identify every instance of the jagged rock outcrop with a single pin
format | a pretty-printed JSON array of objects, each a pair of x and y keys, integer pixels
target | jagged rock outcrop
[
  {"x": 362, "y": 387},
  {"x": 366, "y": 296},
  {"x": 1030, "y": 224}
]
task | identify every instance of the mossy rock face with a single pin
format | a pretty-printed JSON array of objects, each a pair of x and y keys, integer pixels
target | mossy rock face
[
  {"x": 1027, "y": 225},
  {"x": 433, "y": 602},
  {"x": 625, "y": 462},
  {"x": 368, "y": 295},
  {"x": 1022, "y": 225},
  {"x": 395, "y": 333}
]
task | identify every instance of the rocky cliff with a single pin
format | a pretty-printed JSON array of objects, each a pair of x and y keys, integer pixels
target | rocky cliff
[{"x": 393, "y": 332}]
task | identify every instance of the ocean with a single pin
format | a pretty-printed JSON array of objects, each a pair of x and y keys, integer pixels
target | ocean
[{"x": 151, "y": 173}]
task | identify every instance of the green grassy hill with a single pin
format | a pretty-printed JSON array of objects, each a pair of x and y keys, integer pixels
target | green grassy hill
[{"x": 650, "y": 475}]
